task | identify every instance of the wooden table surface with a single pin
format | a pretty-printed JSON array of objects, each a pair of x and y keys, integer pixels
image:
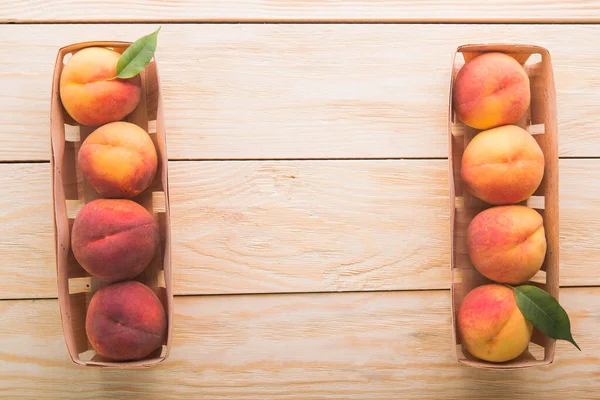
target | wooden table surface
[{"x": 309, "y": 190}]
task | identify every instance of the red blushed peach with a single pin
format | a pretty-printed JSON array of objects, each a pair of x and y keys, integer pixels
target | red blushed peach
[
  {"x": 87, "y": 92},
  {"x": 114, "y": 239},
  {"x": 504, "y": 165},
  {"x": 125, "y": 321},
  {"x": 118, "y": 159},
  {"x": 491, "y": 90},
  {"x": 491, "y": 326},
  {"x": 507, "y": 244}
]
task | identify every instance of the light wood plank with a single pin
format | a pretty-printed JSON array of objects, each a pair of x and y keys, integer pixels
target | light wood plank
[
  {"x": 310, "y": 226},
  {"x": 262, "y": 10},
  {"x": 299, "y": 91},
  {"x": 296, "y": 226},
  {"x": 27, "y": 262},
  {"x": 386, "y": 345}
]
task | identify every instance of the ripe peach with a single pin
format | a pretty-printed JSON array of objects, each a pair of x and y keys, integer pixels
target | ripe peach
[
  {"x": 114, "y": 239},
  {"x": 504, "y": 165},
  {"x": 507, "y": 244},
  {"x": 118, "y": 159},
  {"x": 491, "y": 90},
  {"x": 87, "y": 93},
  {"x": 125, "y": 321},
  {"x": 491, "y": 326}
]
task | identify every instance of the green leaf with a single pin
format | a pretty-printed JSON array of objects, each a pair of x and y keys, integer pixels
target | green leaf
[
  {"x": 544, "y": 312},
  {"x": 137, "y": 56}
]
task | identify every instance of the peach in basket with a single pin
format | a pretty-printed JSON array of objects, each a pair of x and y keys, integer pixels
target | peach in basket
[
  {"x": 125, "y": 321},
  {"x": 491, "y": 90},
  {"x": 114, "y": 239},
  {"x": 88, "y": 92},
  {"x": 490, "y": 324},
  {"x": 503, "y": 165},
  {"x": 118, "y": 159},
  {"x": 507, "y": 244}
]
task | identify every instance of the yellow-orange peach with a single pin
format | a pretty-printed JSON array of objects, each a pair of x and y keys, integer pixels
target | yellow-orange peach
[
  {"x": 89, "y": 94},
  {"x": 491, "y": 326},
  {"x": 118, "y": 159},
  {"x": 490, "y": 90},
  {"x": 503, "y": 165},
  {"x": 507, "y": 244},
  {"x": 125, "y": 321},
  {"x": 114, "y": 239}
]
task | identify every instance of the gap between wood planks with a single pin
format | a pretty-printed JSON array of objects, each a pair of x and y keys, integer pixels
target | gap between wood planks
[
  {"x": 298, "y": 293},
  {"x": 298, "y": 159},
  {"x": 273, "y": 293},
  {"x": 270, "y": 21}
]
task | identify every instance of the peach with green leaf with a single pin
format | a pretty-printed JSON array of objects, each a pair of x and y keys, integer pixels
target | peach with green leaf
[
  {"x": 99, "y": 85},
  {"x": 491, "y": 325},
  {"x": 89, "y": 92}
]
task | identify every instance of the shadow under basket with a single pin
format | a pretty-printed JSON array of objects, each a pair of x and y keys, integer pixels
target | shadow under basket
[
  {"x": 540, "y": 121},
  {"x": 71, "y": 192}
]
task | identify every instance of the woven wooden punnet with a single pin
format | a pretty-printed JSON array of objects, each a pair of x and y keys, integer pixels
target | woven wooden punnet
[
  {"x": 71, "y": 192},
  {"x": 540, "y": 121}
]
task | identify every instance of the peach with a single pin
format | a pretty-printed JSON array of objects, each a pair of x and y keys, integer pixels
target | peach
[
  {"x": 503, "y": 165},
  {"x": 490, "y": 90},
  {"x": 114, "y": 239},
  {"x": 507, "y": 244},
  {"x": 491, "y": 326},
  {"x": 125, "y": 321},
  {"x": 89, "y": 94},
  {"x": 118, "y": 159}
]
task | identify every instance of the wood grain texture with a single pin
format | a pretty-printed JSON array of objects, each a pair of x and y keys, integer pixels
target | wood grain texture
[
  {"x": 310, "y": 225},
  {"x": 262, "y": 10},
  {"x": 256, "y": 91},
  {"x": 296, "y": 226},
  {"x": 385, "y": 345},
  {"x": 27, "y": 244}
]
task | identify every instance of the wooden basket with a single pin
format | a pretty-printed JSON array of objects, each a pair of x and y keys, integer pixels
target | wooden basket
[
  {"x": 539, "y": 120},
  {"x": 71, "y": 192}
]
